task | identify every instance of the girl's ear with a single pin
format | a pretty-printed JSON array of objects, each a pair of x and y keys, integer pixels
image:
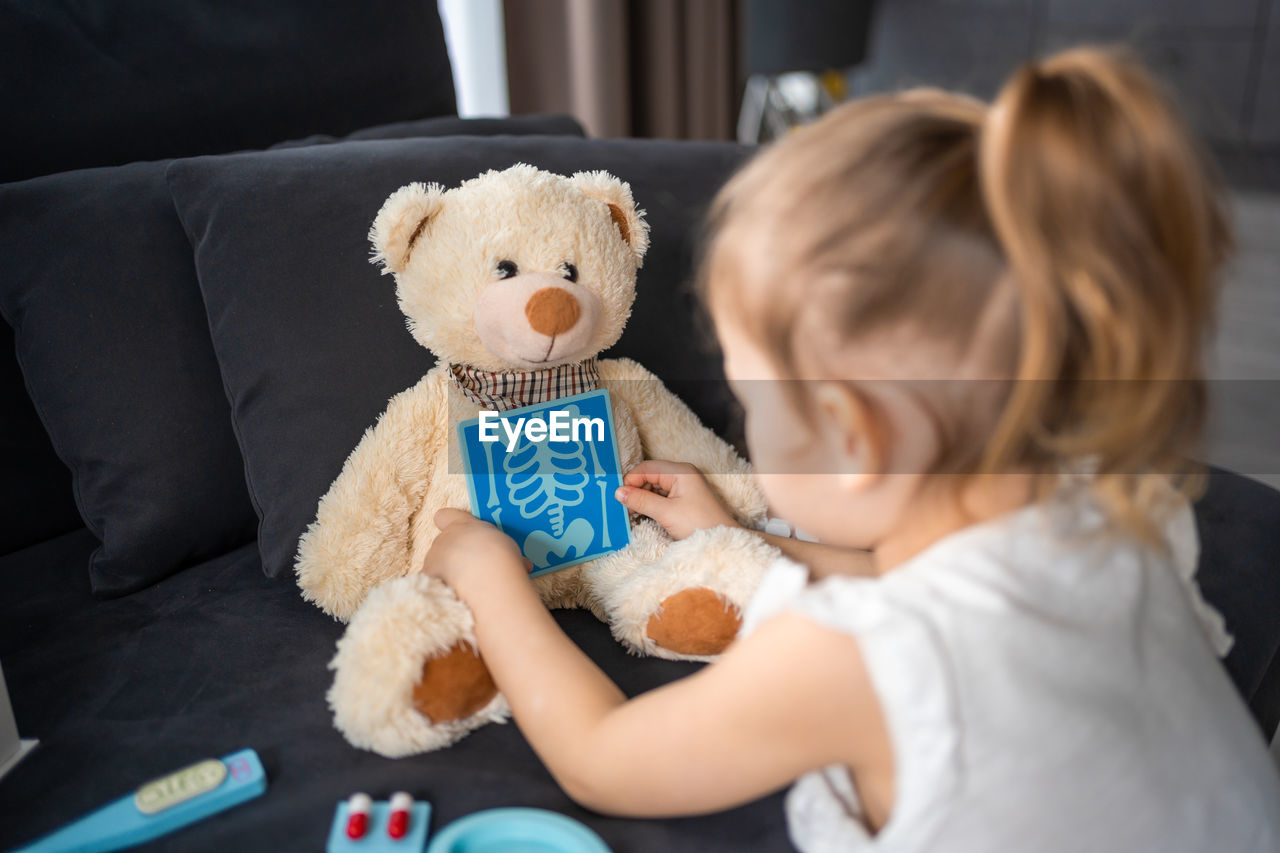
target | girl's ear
[
  {"x": 616, "y": 195},
  {"x": 858, "y": 443},
  {"x": 401, "y": 224}
]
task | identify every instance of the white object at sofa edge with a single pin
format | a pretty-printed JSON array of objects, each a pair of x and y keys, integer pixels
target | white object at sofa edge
[{"x": 12, "y": 747}]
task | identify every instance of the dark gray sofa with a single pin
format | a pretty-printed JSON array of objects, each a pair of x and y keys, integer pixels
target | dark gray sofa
[{"x": 200, "y": 342}]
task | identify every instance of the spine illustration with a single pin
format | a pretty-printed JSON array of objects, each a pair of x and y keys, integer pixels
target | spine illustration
[{"x": 548, "y": 478}]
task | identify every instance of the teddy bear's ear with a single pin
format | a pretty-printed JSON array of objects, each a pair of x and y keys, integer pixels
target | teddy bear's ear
[
  {"x": 401, "y": 223},
  {"x": 622, "y": 208}
]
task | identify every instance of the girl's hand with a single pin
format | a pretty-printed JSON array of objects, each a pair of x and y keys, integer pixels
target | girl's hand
[
  {"x": 674, "y": 494},
  {"x": 469, "y": 552}
]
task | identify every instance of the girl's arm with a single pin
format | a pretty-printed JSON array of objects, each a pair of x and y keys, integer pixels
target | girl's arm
[
  {"x": 677, "y": 496},
  {"x": 789, "y": 698},
  {"x": 820, "y": 559}
]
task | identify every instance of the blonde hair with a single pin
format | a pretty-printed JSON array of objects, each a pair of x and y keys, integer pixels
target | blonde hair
[{"x": 1065, "y": 240}]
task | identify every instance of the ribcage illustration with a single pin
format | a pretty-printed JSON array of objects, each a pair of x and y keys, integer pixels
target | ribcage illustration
[{"x": 547, "y": 477}]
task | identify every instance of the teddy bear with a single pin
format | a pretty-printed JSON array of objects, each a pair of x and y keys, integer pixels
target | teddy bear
[{"x": 516, "y": 280}]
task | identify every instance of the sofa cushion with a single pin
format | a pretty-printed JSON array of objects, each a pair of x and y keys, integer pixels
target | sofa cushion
[
  {"x": 1238, "y": 520},
  {"x": 309, "y": 337},
  {"x": 114, "y": 344},
  {"x": 111, "y": 337},
  {"x": 93, "y": 84},
  {"x": 529, "y": 125},
  {"x": 35, "y": 492},
  {"x": 218, "y": 658}
]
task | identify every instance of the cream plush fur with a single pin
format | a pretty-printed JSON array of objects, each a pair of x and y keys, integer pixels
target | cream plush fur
[{"x": 359, "y": 559}]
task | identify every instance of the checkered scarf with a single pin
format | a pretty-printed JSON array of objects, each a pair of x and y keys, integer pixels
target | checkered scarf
[{"x": 503, "y": 390}]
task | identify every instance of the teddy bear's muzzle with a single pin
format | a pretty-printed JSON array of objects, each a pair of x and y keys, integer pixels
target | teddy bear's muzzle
[{"x": 538, "y": 319}]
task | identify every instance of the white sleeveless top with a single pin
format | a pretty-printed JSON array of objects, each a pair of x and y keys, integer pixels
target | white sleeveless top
[{"x": 1046, "y": 688}]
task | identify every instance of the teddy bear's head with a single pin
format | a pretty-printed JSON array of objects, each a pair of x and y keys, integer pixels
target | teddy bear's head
[{"x": 518, "y": 269}]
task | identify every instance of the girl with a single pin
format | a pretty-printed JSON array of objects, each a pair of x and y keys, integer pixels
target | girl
[{"x": 997, "y": 315}]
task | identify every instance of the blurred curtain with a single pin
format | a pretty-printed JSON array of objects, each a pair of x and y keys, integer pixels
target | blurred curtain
[{"x": 653, "y": 68}]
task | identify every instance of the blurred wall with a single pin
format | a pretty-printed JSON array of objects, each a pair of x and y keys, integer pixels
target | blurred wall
[{"x": 1221, "y": 57}]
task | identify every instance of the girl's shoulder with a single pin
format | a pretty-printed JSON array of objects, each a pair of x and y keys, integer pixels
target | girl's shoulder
[{"x": 1058, "y": 559}]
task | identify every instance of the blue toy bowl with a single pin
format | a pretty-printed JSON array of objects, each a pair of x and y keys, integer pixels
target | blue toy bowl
[{"x": 516, "y": 831}]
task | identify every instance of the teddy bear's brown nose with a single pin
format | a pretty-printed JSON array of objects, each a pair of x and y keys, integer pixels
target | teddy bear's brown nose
[{"x": 552, "y": 310}]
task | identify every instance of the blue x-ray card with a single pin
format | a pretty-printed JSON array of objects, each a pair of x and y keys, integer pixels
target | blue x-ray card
[{"x": 545, "y": 475}]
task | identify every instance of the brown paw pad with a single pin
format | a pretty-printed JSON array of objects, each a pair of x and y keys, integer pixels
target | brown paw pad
[
  {"x": 454, "y": 685},
  {"x": 694, "y": 622}
]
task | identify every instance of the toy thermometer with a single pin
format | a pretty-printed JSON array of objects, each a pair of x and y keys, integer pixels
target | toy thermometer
[{"x": 162, "y": 805}]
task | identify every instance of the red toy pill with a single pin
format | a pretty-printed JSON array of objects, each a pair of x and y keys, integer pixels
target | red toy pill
[
  {"x": 358, "y": 808},
  {"x": 398, "y": 822}
]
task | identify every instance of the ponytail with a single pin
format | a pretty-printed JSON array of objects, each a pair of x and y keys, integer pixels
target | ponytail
[{"x": 1114, "y": 234}]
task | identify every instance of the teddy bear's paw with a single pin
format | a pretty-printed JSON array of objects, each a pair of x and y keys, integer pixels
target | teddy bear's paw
[
  {"x": 694, "y": 622},
  {"x": 688, "y": 604},
  {"x": 407, "y": 648},
  {"x": 454, "y": 685}
]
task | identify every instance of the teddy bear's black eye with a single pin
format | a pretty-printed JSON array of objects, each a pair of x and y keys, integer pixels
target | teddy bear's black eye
[
  {"x": 507, "y": 269},
  {"x": 570, "y": 271}
]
